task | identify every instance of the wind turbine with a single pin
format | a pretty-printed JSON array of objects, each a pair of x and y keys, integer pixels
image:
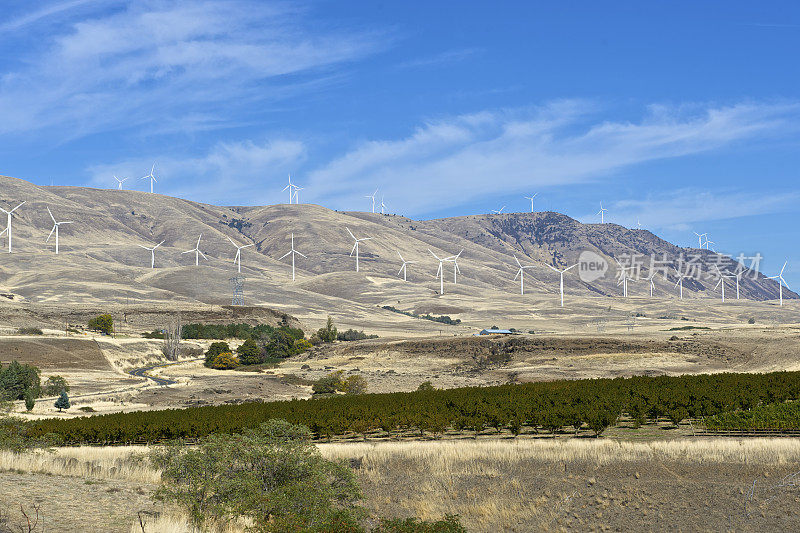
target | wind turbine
[
  {"x": 561, "y": 272},
  {"x": 521, "y": 274},
  {"x": 372, "y": 196},
  {"x": 292, "y": 188},
  {"x": 151, "y": 177},
  {"x": 454, "y": 259},
  {"x": 297, "y": 194},
  {"x": 120, "y": 182},
  {"x": 625, "y": 278},
  {"x": 602, "y": 213},
  {"x": 292, "y": 252},
  {"x": 355, "y": 246},
  {"x": 498, "y": 211},
  {"x": 238, "y": 258},
  {"x": 738, "y": 277},
  {"x": 8, "y": 226},
  {"x": 781, "y": 282},
  {"x": 531, "y": 199},
  {"x": 197, "y": 252},
  {"x": 383, "y": 205},
  {"x": 652, "y": 283},
  {"x": 440, "y": 272},
  {"x": 708, "y": 245},
  {"x": 680, "y": 281},
  {"x": 152, "y": 253},
  {"x": 403, "y": 268},
  {"x": 700, "y": 238},
  {"x": 638, "y": 224},
  {"x": 721, "y": 281},
  {"x": 55, "y": 228}
]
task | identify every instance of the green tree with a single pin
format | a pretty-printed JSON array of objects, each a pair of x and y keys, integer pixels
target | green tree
[
  {"x": 55, "y": 385},
  {"x": 30, "y": 401},
  {"x": 274, "y": 476},
  {"x": 214, "y": 350},
  {"x": 281, "y": 345},
  {"x": 249, "y": 353},
  {"x": 62, "y": 402},
  {"x": 16, "y": 379},
  {"x": 103, "y": 324},
  {"x": 329, "y": 332}
]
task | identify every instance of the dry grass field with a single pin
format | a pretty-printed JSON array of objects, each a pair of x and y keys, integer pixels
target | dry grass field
[{"x": 500, "y": 485}]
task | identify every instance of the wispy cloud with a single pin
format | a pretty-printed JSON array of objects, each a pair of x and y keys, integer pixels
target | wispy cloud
[
  {"x": 449, "y": 56},
  {"x": 459, "y": 159},
  {"x": 154, "y": 62}
]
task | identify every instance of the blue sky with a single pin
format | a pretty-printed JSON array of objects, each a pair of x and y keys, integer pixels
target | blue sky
[{"x": 681, "y": 114}]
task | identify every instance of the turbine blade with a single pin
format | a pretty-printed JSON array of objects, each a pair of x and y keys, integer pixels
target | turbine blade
[
  {"x": 517, "y": 260},
  {"x": 51, "y": 234},
  {"x": 283, "y": 256},
  {"x": 301, "y": 255},
  {"x": 51, "y": 216},
  {"x": 247, "y": 245},
  {"x": 573, "y": 266},
  {"x": 551, "y": 267},
  {"x": 350, "y": 232}
]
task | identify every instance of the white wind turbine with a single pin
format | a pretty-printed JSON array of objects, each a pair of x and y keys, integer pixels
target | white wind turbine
[
  {"x": 454, "y": 259},
  {"x": 151, "y": 177},
  {"x": 197, "y": 252},
  {"x": 521, "y": 275},
  {"x": 625, "y": 278},
  {"x": 55, "y": 229},
  {"x": 355, "y": 246},
  {"x": 292, "y": 188},
  {"x": 383, "y": 205},
  {"x": 8, "y": 226},
  {"x": 120, "y": 182},
  {"x": 372, "y": 196},
  {"x": 680, "y": 281},
  {"x": 403, "y": 268},
  {"x": 498, "y": 211},
  {"x": 652, "y": 283},
  {"x": 638, "y": 224},
  {"x": 781, "y": 282},
  {"x": 440, "y": 272},
  {"x": 602, "y": 213},
  {"x": 152, "y": 253},
  {"x": 561, "y": 272},
  {"x": 721, "y": 281},
  {"x": 237, "y": 260},
  {"x": 292, "y": 252},
  {"x": 738, "y": 276},
  {"x": 700, "y": 238},
  {"x": 531, "y": 199}
]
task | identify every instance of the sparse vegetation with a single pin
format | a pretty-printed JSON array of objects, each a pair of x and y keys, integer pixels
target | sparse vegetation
[
  {"x": 354, "y": 335},
  {"x": 444, "y": 319},
  {"x": 354, "y": 384},
  {"x": 687, "y": 328},
  {"x": 30, "y": 331}
]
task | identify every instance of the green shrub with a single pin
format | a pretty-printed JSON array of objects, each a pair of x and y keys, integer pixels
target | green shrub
[
  {"x": 103, "y": 324},
  {"x": 87, "y": 409},
  {"x": 30, "y": 331},
  {"x": 224, "y": 361},
  {"x": 273, "y": 475},
  {"x": 302, "y": 345},
  {"x": 55, "y": 385},
  {"x": 328, "y": 384},
  {"x": 354, "y": 385},
  {"x": 353, "y": 335},
  {"x": 214, "y": 350},
  {"x": 328, "y": 333},
  {"x": 751, "y": 320},
  {"x": 249, "y": 353},
  {"x": 425, "y": 386},
  {"x": 30, "y": 401},
  {"x": 450, "y": 524}
]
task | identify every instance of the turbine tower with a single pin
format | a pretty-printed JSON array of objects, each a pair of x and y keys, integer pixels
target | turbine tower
[
  {"x": 625, "y": 278},
  {"x": 679, "y": 283},
  {"x": 403, "y": 268},
  {"x": 152, "y": 253},
  {"x": 454, "y": 259},
  {"x": 292, "y": 252},
  {"x": 531, "y": 199},
  {"x": 355, "y": 246},
  {"x": 700, "y": 238},
  {"x": 151, "y": 177},
  {"x": 781, "y": 282},
  {"x": 498, "y": 211},
  {"x": 602, "y": 213},
  {"x": 55, "y": 229},
  {"x": 383, "y": 205},
  {"x": 738, "y": 276},
  {"x": 292, "y": 188},
  {"x": 120, "y": 182},
  {"x": 8, "y": 226},
  {"x": 197, "y": 252},
  {"x": 521, "y": 274},
  {"x": 652, "y": 283},
  {"x": 721, "y": 282},
  {"x": 440, "y": 272},
  {"x": 372, "y": 196},
  {"x": 238, "y": 258},
  {"x": 561, "y": 272}
]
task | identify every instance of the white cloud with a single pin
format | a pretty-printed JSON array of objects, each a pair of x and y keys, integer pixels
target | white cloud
[
  {"x": 454, "y": 161},
  {"x": 154, "y": 62}
]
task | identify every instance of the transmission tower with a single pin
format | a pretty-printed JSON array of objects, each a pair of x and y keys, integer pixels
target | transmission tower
[{"x": 238, "y": 290}]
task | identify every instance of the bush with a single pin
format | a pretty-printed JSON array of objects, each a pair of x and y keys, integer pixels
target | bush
[
  {"x": 30, "y": 331},
  {"x": 328, "y": 384},
  {"x": 54, "y": 386},
  {"x": 214, "y": 350},
  {"x": 450, "y": 524},
  {"x": 354, "y": 385},
  {"x": 273, "y": 475},
  {"x": 751, "y": 320},
  {"x": 30, "y": 402},
  {"x": 155, "y": 334},
  {"x": 328, "y": 333},
  {"x": 224, "y": 361},
  {"x": 249, "y": 353},
  {"x": 62, "y": 402},
  {"x": 103, "y": 324},
  {"x": 425, "y": 386},
  {"x": 302, "y": 345},
  {"x": 353, "y": 335}
]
